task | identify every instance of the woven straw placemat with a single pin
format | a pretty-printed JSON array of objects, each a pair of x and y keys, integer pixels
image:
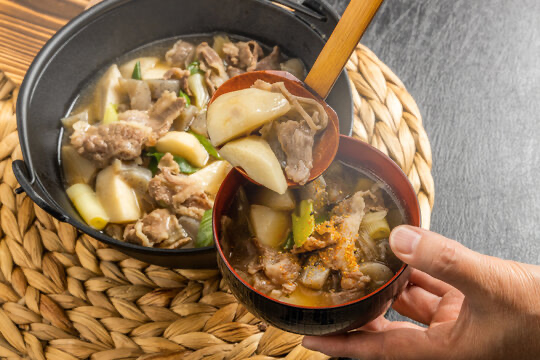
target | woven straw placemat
[{"x": 64, "y": 295}]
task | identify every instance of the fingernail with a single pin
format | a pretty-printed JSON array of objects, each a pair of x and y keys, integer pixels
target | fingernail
[{"x": 404, "y": 240}]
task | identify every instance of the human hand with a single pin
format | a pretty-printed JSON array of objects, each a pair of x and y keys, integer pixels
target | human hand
[{"x": 476, "y": 307}]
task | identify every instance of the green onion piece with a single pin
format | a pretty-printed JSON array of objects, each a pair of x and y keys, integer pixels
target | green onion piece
[
  {"x": 155, "y": 157},
  {"x": 207, "y": 145},
  {"x": 289, "y": 242},
  {"x": 303, "y": 224},
  {"x": 136, "y": 74},
  {"x": 197, "y": 86},
  {"x": 194, "y": 68},
  {"x": 205, "y": 235},
  {"x": 185, "y": 166},
  {"x": 111, "y": 114},
  {"x": 185, "y": 96}
]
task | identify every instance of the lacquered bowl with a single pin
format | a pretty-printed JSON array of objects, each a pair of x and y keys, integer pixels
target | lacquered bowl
[
  {"x": 97, "y": 37},
  {"x": 331, "y": 319}
]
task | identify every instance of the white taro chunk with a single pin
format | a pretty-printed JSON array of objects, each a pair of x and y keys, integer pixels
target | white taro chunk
[
  {"x": 267, "y": 197},
  {"x": 185, "y": 145},
  {"x": 314, "y": 273},
  {"x": 378, "y": 273},
  {"x": 255, "y": 156},
  {"x": 211, "y": 176},
  {"x": 147, "y": 63},
  {"x": 108, "y": 90},
  {"x": 270, "y": 226},
  {"x": 117, "y": 198},
  {"x": 240, "y": 112},
  {"x": 77, "y": 169}
]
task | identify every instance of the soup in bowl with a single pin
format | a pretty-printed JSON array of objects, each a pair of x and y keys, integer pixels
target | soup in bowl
[{"x": 316, "y": 260}]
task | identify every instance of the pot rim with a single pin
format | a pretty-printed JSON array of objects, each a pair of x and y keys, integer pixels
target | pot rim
[{"x": 415, "y": 205}]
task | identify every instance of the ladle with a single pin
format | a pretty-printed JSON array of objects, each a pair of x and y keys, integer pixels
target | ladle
[{"x": 319, "y": 80}]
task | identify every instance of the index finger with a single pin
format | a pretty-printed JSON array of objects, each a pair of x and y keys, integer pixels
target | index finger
[{"x": 429, "y": 283}]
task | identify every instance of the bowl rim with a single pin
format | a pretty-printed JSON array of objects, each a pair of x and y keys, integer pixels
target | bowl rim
[
  {"x": 398, "y": 273},
  {"x": 26, "y": 91}
]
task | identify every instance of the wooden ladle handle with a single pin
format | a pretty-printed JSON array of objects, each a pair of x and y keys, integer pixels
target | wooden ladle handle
[{"x": 341, "y": 44}]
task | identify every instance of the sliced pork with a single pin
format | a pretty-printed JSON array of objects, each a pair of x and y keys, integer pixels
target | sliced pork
[
  {"x": 270, "y": 62},
  {"x": 163, "y": 113},
  {"x": 280, "y": 267},
  {"x": 182, "y": 194},
  {"x": 181, "y": 54},
  {"x": 248, "y": 54},
  {"x": 297, "y": 141},
  {"x": 160, "y": 227},
  {"x": 119, "y": 140}
]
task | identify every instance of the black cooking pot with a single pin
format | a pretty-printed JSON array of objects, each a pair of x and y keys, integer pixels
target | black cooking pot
[{"x": 112, "y": 28}]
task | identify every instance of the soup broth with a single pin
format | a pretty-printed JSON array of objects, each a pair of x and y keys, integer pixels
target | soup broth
[
  {"x": 323, "y": 244},
  {"x": 135, "y": 152}
]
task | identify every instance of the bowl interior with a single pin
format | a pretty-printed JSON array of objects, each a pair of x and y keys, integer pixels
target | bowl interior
[
  {"x": 99, "y": 36},
  {"x": 352, "y": 152}
]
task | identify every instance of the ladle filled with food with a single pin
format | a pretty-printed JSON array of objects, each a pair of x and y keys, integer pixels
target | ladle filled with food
[{"x": 277, "y": 130}]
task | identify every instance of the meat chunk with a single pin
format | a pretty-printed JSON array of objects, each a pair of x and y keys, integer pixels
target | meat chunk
[
  {"x": 270, "y": 134},
  {"x": 163, "y": 113},
  {"x": 231, "y": 52},
  {"x": 116, "y": 231},
  {"x": 210, "y": 59},
  {"x": 270, "y": 62},
  {"x": 233, "y": 71},
  {"x": 297, "y": 140},
  {"x": 350, "y": 212},
  {"x": 374, "y": 199},
  {"x": 182, "y": 194},
  {"x": 160, "y": 116},
  {"x": 354, "y": 280},
  {"x": 262, "y": 283},
  {"x": 181, "y": 54},
  {"x": 347, "y": 216},
  {"x": 120, "y": 140},
  {"x": 281, "y": 268},
  {"x": 160, "y": 227},
  {"x": 167, "y": 162},
  {"x": 248, "y": 54},
  {"x": 212, "y": 64},
  {"x": 137, "y": 116}
]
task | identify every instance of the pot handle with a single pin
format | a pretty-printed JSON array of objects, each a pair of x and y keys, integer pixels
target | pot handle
[
  {"x": 301, "y": 8},
  {"x": 21, "y": 174},
  {"x": 318, "y": 15}
]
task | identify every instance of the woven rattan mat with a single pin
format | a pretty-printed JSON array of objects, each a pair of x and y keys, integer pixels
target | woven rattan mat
[{"x": 64, "y": 295}]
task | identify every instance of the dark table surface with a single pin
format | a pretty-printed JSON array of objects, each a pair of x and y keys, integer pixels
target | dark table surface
[{"x": 473, "y": 67}]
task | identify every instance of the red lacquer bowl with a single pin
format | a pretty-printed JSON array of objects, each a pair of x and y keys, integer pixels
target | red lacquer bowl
[{"x": 330, "y": 319}]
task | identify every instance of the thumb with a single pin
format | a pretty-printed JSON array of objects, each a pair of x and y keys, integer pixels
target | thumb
[{"x": 442, "y": 258}]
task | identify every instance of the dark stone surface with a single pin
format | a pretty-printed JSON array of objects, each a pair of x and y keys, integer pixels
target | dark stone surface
[{"x": 473, "y": 67}]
